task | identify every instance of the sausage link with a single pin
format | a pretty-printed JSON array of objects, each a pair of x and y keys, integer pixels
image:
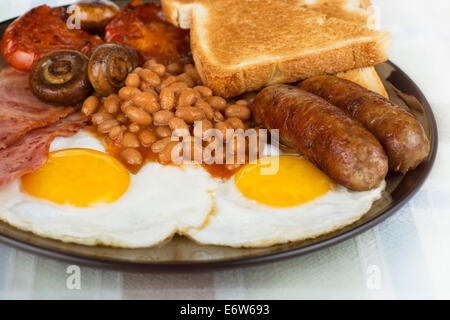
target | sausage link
[
  {"x": 402, "y": 136},
  {"x": 337, "y": 144}
]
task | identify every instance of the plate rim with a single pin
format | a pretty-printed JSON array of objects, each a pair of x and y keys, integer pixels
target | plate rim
[
  {"x": 98, "y": 262},
  {"x": 246, "y": 261}
]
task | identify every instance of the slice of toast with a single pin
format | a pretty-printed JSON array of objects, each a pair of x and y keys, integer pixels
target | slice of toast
[
  {"x": 244, "y": 45},
  {"x": 358, "y": 11},
  {"x": 367, "y": 78}
]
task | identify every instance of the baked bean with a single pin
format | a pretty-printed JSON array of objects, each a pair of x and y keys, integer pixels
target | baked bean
[
  {"x": 101, "y": 108},
  {"x": 159, "y": 69},
  {"x": 179, "y": 124},
  {"x": 225, "y": 129},
  {"x": 107, "y": 125},
  {"x": 122, "y": 118},
  {"x": 152, "y": 91},
  {"x": 116, "y": 133},
  {"x": 90, "y": 105},
  {"x": 167, "y": 99},
  {"x": 194, "y": 75},
  {"x": 134, "y": 127},
  {"x": 168, "y": 81},
  {"x": 216, "y": 102},
  {"x": 132, "y": 156},
  {"x": 138, "y": 116},
  {"x": 236, "y": 123},
  {"x": 147, "y": 138},
  {"x": 174, "y": 68},
  {"x": 213, "y": 145},
  {"x": 214, "y": 142},
  {"x": 255, "y": 144},
  {"x": 137, "y": 70},
  {"x": 237, "y": 143},
  {"x": 238, "y": 111},
  {"x": 126, "y": 93},
  {"x": 193, "y": 147},
  {"x": 177, "y": 87},
  {"x": 201, "y": 127},
  {"x": 130, "y": 140},
  {"x": 100, "y": 117},
  {"x": 112, "y": 103},
  {"x": 207, "y": 109},
  {"x": 145, "y": 86},
  {"x": 242, "y": 102},
  {"x": 133, "y": 80},
  {"x": 162, "y": 117},
  {"x": 187, "y": 98},
  {"x": 190, "y": 114},
  {"x": 197, "y": 94},
  {"x": 218, "y": 116},
  {"x": 250, "y": 96},
  {"x": 150, "y": 77},
  {"x": 204, "y": 91},
  {"x": 146, "y": 101},
  {"x": 186, "y": 79},
  {"x": 163, "y": 132},
  {"x": 159, "y": 145},
  {"x": 188, "y": 66},
  {"x": 172, "y": 148},
  {"x": 149, "y": 63},
  {"x": 126, "y": 104}
]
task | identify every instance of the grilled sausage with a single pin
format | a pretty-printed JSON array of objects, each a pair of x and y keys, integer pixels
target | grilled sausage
[
  {"x": 402, "y": 136},
  {"x": 328, "y": 137}
]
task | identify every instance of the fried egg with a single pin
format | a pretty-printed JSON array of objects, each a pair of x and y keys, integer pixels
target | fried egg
[
  {"x": 296, "y": 201},
  {"x": 83, "y": 195},
  {"x": 86, "y": 196}
]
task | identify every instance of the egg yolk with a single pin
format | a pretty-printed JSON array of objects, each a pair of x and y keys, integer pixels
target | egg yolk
[
  {"x": 293, "y": 182},
  {"x": 80, "y": 177}
]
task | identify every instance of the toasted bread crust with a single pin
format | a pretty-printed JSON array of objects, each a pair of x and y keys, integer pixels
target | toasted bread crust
[
  {"x": 229, "y": 83},
  {"x": 232, "y": 62},
  {"x": 367, "y": 78}
]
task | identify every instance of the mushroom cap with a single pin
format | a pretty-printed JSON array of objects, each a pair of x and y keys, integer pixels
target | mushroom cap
[
  {"x": 61, "y": 78},
  {"x": 109, "y": 65},
  {"x": 95, "y": 15}
]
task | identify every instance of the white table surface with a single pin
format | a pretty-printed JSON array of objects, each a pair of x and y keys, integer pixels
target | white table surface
[{"x": 407, "y": 256}]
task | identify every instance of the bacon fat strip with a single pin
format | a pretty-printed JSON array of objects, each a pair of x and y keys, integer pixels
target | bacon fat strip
[
  {"x": 402, "y": 136},
  {"x": 20, "y": 110},
  {"x": 31, "y": 151},
  {"x": 337, "y": 144}
]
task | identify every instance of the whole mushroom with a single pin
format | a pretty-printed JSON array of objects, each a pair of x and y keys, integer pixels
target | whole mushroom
[
  {"x": 109, "y": 65},
  {"x": 94, "y": 16},
  {"x": 61, "y": 78}
]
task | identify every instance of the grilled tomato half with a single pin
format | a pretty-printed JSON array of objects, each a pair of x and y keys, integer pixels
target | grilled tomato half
[
  {"x": 144, "y": 27},
  {"x": 40, "y": 31}
]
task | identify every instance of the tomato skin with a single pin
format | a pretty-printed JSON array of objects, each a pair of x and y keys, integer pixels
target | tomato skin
[
  {"x": 144, "y": 27},
  {"x": 40, "y": 31}
]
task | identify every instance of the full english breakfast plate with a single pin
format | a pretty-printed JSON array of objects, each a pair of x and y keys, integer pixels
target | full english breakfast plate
[{"x": 128, "y": 142}]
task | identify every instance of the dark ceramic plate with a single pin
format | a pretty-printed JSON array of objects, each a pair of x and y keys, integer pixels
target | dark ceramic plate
[{"x": 183, "y": 252}]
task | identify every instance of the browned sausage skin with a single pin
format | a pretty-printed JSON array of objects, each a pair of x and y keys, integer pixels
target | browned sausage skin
[
  {"x": 337, "y": 144},
  {"x": 401, "y": 135}
]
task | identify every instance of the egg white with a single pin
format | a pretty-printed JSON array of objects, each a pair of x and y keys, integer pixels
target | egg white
[
  {"x": 160, "y": 201},
  {"x": 240, "y": 222},
  {"x": 166, "y": 200}
]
